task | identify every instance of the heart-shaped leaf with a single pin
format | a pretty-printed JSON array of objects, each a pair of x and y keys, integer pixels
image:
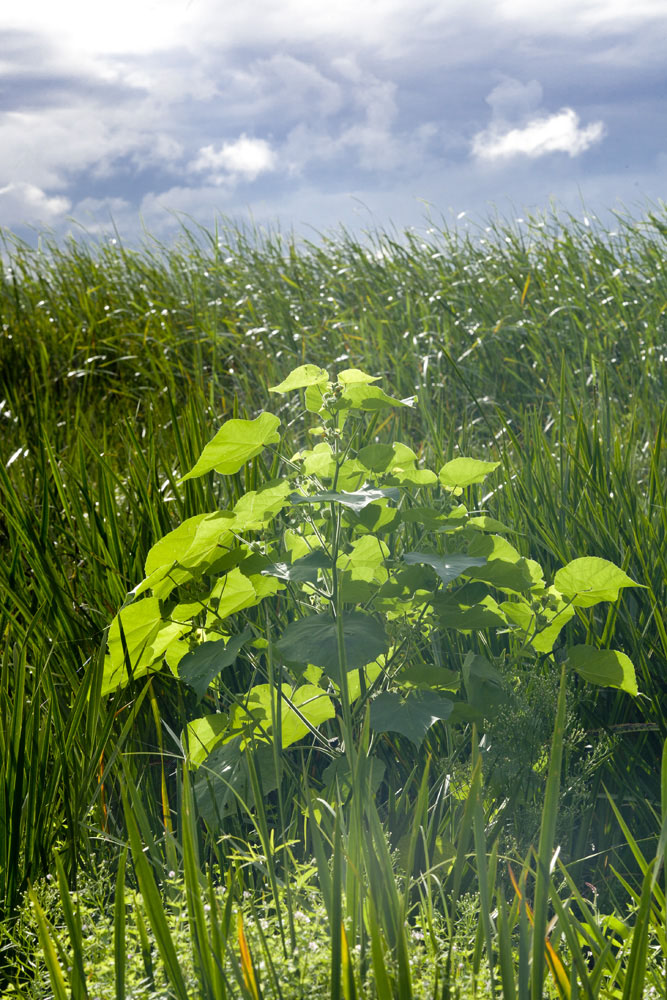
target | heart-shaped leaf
[
  {"x": 590, "y": 580},
  {"x": 606, "y": 667},
  {"x": 236, "y": 443},
  {"x": 302, "y": 377},
  {"x": 315, "y": 640},
  {"x": 465, "y": 472},
  {"x": 412, "y": 715}
]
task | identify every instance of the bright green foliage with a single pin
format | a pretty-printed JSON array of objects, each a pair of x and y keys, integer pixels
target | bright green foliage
[
  {"x": 138, "y": 637},
  {"x": 300, "y": 378},
  {"x": 589, "y": 580},
  {"x": 356, "y": 584},
  {"x": 465, "y": 471},
  {"x": 604, "y": 666},
  {"x": 236, "y": 443}
]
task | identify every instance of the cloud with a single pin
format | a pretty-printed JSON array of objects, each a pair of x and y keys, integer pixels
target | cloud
[
  {"x": 558, "y": 133},
  {"x": 23, "y": 203},
  {"x": 244, "y": 159},
  {"x": 512, "y": 99}
]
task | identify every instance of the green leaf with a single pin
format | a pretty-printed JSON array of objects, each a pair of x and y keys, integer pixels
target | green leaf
[
  {"x": 199, "y": 667},
  {"x": 300, "y": 378},
  {"x": 314, "y": 397},
  {"x": 311, "y": 701},
  {"x": 590, "y": 580},
  {"x": 366, "y": 557},
  {"x": 225, "y": 775},
  {"x": 428, "y": 517},
  {"x": 337, "y": 774},
  {"x": 314, "y": 640},
  {"x": 465, "y": 471},
  {"x": 484, "y": 523},
  {"x": 236, "y": 443},
  {"x": 186, "y": 552},
  {"x": 257, "y": 507},
  {"x": 313, "y": 704},
  {"x": 412, "y": 715},
  {"x": 174, "y": 544},
  {"x": 427, "y": 676},
  {"x": 484, "y": 684},
  {"x": 369, "y": 398},
  {"x": 354, "y": 376},
  {"x": 371, "y": 673},
  {"x": 447, "y": 567},
  {"x": 304, "y": 570},
  {"x": 318, "y": 462},
  {"x": 383, "y": 457},
  {"x": 543, "y": 634},
  {"x": 606, "y": 667},
  {"x": 505, "y": 568},
  {"x": 202, "y": 735},
  {"x": 377, "y": 518},
  {"x": 146, "y": 638},
  {"x": 231, "y": 593},
  {"x": 468, "y": 607},
  {"x": 354, "y": 501},
  {"x": 411, "y": 477}
]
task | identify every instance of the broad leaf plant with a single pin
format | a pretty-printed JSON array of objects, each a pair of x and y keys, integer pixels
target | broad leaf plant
[{"x": 374, "y": 559}]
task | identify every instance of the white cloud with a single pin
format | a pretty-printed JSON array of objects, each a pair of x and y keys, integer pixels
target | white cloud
[
  {"x": 244, "y": 159},
  {"x": 573, "y": 16},
  {"x": 558, "y": 133},
  {"x": 25, "y": 203}
]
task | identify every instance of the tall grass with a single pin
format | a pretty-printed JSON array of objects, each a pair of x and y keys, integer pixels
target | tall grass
[{"x": 542, "y": 344}]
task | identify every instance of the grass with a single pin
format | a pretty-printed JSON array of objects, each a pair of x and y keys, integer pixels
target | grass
[{"x": 540, "y": 344}]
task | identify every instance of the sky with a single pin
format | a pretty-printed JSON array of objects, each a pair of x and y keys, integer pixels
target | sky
[{"x": 307, "y": 116}]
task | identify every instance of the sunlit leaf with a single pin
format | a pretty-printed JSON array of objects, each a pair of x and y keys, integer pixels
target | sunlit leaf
[
  {"x": 308, "y": 701},
  {"x": 231, "y": 593},
  {"x": 590, "y": 580},
  {"x": 302, "y": 377},
  {"x": 203, "y": 734},
  {"x": 368, "y": 397},
  {"x": 138, "y": 631},
  {"x": 606, "y": 667},
  {"x": 236, "y": 443},
  {"x": 257, "y": 507},
  {"x": 542, "y": 634},
  {"x": 354, "y": 376},
  {"x": 465, "y": 471}
]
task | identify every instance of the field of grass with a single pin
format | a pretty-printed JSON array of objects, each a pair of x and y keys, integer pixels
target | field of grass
[{"x": 354, "y": 861}]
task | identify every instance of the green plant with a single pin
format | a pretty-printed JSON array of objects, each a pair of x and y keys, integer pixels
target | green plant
[{"x": 356, "y": 547}]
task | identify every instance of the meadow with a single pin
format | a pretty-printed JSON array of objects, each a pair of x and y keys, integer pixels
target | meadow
[{"x": 332, "y": 604}]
